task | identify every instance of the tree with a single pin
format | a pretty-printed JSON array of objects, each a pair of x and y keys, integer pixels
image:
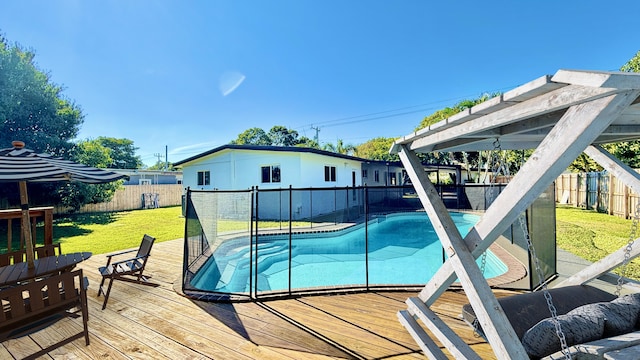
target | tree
[
  {"x": 470, "y": 159},
  {"x": 253, "y": 136},
  {"x": 376, "y": 149},
  {"x": 306, "y": 142},
  {"x": 32, "y": 108},
  {"x": 281, "y": 136},
  {"x": 633, "y": 65},
  {"x": 123, "y": 153},
  {"x": 76, "y": 194},
  {"x": 340, "y": 147}
]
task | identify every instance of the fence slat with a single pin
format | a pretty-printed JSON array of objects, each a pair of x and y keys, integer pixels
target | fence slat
[
  {"x": 598, "y": 191},
  {"x": 130, "y": 197}
]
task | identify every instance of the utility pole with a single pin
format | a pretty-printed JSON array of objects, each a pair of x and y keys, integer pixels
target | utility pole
[
  {"x": 166, "y": 158},
  {"x": 159, "y": 156},
  {"x": 316, "y": 138}
]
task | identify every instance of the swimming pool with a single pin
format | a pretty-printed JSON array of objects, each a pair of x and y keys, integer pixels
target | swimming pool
[{"x": 392, "y": 250}]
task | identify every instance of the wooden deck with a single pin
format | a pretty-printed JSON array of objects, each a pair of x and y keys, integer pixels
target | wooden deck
[{"x": 143, "y": 322}]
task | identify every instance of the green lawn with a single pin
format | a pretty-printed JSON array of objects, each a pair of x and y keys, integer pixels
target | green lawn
[{"x": 592, "y": 235}]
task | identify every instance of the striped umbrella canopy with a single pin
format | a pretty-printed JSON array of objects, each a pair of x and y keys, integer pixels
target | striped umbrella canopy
[{"x": 21, "y": 165}]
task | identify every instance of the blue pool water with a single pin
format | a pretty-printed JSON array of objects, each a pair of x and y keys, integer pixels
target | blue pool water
[{"x": 402, "y": 249}]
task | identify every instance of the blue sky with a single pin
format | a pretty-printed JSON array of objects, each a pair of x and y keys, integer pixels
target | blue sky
[{"x": 192, "y": 75}]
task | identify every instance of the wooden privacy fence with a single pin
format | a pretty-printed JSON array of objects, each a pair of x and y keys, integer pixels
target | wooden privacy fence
[
  {"x": 599, "y": 191},
  {"x": 134, "y": 197}
]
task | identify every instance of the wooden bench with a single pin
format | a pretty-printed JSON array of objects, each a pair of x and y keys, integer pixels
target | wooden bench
[
  {"x": 18, "y": 256},
  {"x": 32, "y": 306}
]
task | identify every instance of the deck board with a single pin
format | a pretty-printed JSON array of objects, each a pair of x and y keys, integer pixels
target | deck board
[{"x": 158, "y": 323}]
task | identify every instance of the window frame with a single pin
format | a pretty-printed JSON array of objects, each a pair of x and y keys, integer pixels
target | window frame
[
  {"x": 203, "y": 178},
  {"x": 270, "y": 174},
  {"x": 330, "y": 174}
]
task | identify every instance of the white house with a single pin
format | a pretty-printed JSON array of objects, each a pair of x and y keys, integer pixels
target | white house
[{"x": 238, "y": 167}]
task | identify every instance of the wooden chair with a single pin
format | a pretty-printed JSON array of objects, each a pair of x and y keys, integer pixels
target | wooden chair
[
  {"x": 32, "y": 306},
  {"x": 19, "y": 256},
  {"x": 130, "y": 270}
]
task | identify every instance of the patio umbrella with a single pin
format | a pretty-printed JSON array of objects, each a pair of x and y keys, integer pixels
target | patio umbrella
[{"x": 22, "y": 165}]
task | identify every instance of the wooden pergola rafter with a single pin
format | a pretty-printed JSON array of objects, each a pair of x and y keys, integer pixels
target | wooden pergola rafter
[{"x": 559, "y": 116}]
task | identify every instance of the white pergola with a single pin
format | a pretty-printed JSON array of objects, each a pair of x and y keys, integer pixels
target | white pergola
[{"x": 559, "y": 116}]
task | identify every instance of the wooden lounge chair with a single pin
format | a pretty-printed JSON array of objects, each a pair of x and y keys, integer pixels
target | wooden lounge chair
[
  {"x": 32, "y": 306},
  {"x": 130, "y": 270}
]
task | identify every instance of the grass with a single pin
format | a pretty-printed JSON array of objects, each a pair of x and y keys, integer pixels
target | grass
[{"x": 592, "y": 235}]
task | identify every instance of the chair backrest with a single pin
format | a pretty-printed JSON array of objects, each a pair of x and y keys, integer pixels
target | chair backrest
[
  {"x": 47, "y": 250},
  {"x": 13, "y": 257},
  {"x": 30, "y": 303},
  {"x": 145, "y": 246},
  {"x": 19, "y": 256}
]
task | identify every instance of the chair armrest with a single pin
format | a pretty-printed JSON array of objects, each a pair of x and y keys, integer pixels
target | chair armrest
[
  {"x": 122, "y": 252},
  {"x": 116, "y": 263}
]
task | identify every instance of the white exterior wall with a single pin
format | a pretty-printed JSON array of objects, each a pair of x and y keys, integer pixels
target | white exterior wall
[
  {"x": 312, "y": 171},
  {"x": 233, "y": 169}
]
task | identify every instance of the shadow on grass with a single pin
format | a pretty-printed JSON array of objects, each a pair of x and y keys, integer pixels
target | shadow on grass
[
  {"x": 63, "y": 227},
  {"x": 72, "y": 225}
]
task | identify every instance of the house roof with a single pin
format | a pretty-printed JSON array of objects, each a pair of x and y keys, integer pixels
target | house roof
[{"x": 268, "y": 148}]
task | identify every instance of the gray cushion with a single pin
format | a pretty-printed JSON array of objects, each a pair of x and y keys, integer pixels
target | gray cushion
[
  {"x": 633, "y": 299},
  {"x": 541, "y": 340},
  {"x": 619, "y": 318}
]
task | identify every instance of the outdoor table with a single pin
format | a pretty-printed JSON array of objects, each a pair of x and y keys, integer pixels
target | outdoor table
[{"x": 15, "y": 273}]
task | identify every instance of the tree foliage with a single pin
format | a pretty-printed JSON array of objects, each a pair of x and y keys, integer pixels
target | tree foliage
[
  {"x": 122, "y": 153},
  {"x": 253, "y": 136},
  {"x": 75, "y": 194},
  {"x": 376, "y": 149},
  {"x": 340, "y": 147},
  {"x": 277, "y": 136},
  {"x": 32, "y": 108},
  {"x": 633, "y": 65}
]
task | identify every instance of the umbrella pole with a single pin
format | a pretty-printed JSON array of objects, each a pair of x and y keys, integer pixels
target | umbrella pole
[{"x": 26, "y": 226}]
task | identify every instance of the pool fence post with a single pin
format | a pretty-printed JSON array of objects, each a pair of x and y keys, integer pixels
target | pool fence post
[
  {"x": 290, "y": 236},
  {"x": 366, "y": 236},
  {"x": 311, "y": 208},
  {"x": 185, "y": 255},
  {"x": 335, "y": 206},
  {"x": 255, "y": 283},
  {"x": 346, "y": 194}
]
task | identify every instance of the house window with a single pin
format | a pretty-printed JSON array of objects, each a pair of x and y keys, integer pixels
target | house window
[
  {"x": 392, "y": 178},
  {"x": 271, "y": 174},
  {"x": 330, "y": 173},
  {"x": 144, "y": 181},
  {"x": 376, "y": 176},
  {"x": 204, "y": 178},
  {"x": 365, "y": 173}
]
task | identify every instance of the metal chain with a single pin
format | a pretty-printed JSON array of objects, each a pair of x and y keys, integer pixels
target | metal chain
[
  {"x": 496, "y": 150},
  {"x": 545, "y": 291},
  {"x": 627, "y": 250}
]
